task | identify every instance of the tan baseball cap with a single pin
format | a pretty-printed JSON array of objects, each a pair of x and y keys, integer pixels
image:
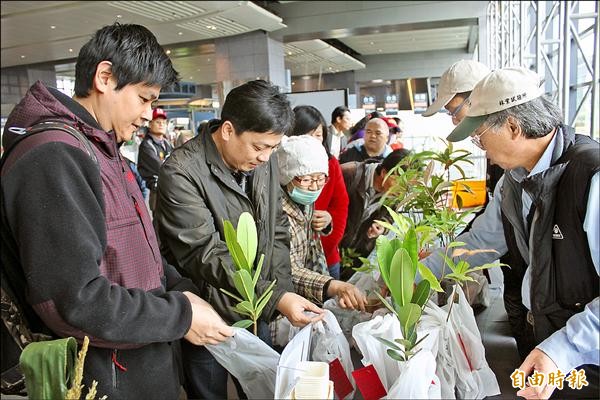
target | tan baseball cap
[
  {"x": 461, "y": 77},
  {"x": 501, "y": 89}
]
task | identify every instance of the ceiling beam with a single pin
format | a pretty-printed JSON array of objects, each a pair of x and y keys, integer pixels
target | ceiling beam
[{"x": 368, "y": 17}]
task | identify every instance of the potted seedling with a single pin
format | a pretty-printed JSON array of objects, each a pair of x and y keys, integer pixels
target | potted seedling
[{"x": 242, "y": 245}]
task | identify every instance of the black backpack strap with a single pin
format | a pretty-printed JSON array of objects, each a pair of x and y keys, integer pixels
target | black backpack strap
[{"x": 52, "y": 126}]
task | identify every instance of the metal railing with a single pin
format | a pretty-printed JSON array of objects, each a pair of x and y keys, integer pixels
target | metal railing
[{"x": 558, "y": 40}]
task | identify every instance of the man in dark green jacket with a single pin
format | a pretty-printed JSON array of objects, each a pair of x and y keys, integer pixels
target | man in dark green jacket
[{"x": 224, "y": 171}]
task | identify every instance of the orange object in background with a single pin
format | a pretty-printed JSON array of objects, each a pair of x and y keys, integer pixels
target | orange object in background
[{"x": 477, "y": 196}]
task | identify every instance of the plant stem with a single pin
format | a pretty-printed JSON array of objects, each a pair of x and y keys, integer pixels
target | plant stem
[
  {"x": 451, "y": 301},
  {"x": 255, "y": 327}
]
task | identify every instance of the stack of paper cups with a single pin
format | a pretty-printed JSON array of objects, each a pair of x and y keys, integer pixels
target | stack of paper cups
[{"x": 314, "y": 382}]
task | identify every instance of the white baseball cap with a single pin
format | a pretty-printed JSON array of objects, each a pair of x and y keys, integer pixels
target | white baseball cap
[
  {"x": 461, "y": 77},
  {"x": 503, "y": 88}
]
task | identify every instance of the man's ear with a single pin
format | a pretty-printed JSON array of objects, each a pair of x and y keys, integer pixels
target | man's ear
[
  {"x": 103, "y": 78},
  {"x": 227, "y": 130},
  {"x": 514, "y": 126}
]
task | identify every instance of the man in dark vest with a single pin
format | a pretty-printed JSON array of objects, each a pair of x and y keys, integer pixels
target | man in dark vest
[
  {"x": 545, "y": 213},
  {"x": 154, "y": 150}
]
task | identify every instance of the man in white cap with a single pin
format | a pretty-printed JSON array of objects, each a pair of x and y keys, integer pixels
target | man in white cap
[
  {"x": 545, "y": 211},
  {"x": 455, "y": 87}
]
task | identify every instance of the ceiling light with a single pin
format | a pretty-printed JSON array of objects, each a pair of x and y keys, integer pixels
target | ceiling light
[
  {"x": 52, "y": 26},
  {"x": 180, "y": 33},
  {"x": 379, "y": 50},
  {"x": 305, "y": 77},
  {"x": 289, "y": 53},
  {"x": 22, "y": 56},
  {"x": 208, "y": 59},
  {"x": 168, "y": 52},
  {"x": 293, "y": 83},
  {"x": 70, "y": 50},
  {"x": 377, "y": 80},
  {"x": 119, "y": 16},
  {"x": 191, "y": 77},
  {"x": 371, "y": 43},
  {"x": 211, "y": 27}
]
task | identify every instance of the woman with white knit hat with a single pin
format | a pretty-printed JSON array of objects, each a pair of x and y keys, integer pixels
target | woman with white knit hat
[{"x": 303, "y": 169}]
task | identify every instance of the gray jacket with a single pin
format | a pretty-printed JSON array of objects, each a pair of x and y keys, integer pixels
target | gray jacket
[{"x": 197, "y": 192}]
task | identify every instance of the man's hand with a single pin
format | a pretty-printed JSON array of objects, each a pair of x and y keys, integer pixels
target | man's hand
[
  {"x": 292, "y": 306},
  {"x": 349, "y": 296},
  {"x": 207, "y": 326},
  {"x": 375, "y": 230},
  {"x": 320, "y": 220},
  {"x": 537, "y": 360}
]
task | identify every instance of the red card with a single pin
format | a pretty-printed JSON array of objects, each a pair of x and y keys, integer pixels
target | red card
[
  {"x": 368, "y": 383},
  {"x": 341, "y": 384}
]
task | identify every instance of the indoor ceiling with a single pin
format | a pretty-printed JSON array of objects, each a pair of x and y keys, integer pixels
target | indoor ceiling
[{"x": 56, "y": 30}]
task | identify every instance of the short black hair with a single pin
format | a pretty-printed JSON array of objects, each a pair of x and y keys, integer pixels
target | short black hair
[
  {"x": 307, "y": 119},
  {"x": 258, "y": 106},
  {"x": 392, "y": 160},
  {"x": 338, "y": 112},
  {"x": 362, "y": 123},
  {"x": 135, "y": 55}
]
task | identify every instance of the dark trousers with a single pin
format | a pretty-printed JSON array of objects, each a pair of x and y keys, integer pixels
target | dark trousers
[
  {"x": 520, "y": 329},
  {"x": 205, "y": 378},
  {"x": 592, "y": 391}
]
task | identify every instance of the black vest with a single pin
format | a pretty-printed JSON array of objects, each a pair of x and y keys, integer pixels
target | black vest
[{"x": 563, "y": 276}]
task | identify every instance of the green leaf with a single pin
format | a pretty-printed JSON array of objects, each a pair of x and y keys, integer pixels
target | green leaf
[
  {"x": 421, "y": 293},
  {"x": 429, "y": 277},
  {"x": 391, "y": 227},
  {"x": 406, "y": 343},
  {"x": 449, "y": 262},
  {"x": 237, "y": 255},
  {"x": 402, "y": 223},
  {"x": 258, "y": 270},
  {"x": 401, "y": 277},
  {"x": 243, "y": 284},
  {"x": 395, "y": 355},
  {"x": 489, "y": 265},
  {"x": 420, "y": 340},
  {"x": 462, "y": 267},
  {"x": 389, "y": 344},
  {"x": 247, "y": 237},
  {"x": 455, "y": 244},
  {"x": 386, "y": 304},
  {"x": 384, "y": 256},
  {"x": 245, "y": 323},
  {"x": 231, "y": 295},
  {"x": 262, "y": 302},
  {"x": 245, "y": 308},
  {"x": 410, "y": 244},
  {"x": 408, "y": 315}
]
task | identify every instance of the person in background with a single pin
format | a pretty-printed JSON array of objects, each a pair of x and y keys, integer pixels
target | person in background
[
  {"x": 546, "y": 213},
  {"x": 396, "y": 132},
  {"x": 129, "y": 151},
  {"x": 303, "y": 169},
  {"x": 84, "y": 250},
  {"x": 375, "y": 143},
  {"x": 183, "y": 137},
  {"x": 341, "y": 122},
  {"x": 358, "y": 130},
  {"x": 333, "y": 198},
  {"x": 366, "y": 183},
  {"x": 218, "y": 175},
  {"x": 154, "y": 150}
]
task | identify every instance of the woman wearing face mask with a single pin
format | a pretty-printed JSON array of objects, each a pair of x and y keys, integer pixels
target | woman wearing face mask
[
  {"x": 333, "y": 201},
  {"x": 303, "y": 172}
]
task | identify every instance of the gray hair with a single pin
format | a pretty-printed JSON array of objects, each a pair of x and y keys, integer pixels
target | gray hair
[{"x": 537, "y": 117}]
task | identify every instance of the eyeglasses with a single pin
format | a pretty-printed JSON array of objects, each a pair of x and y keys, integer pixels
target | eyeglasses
[
  {"x": 307, "y": 181},
  {"x": 476, "y": 139},
  {"x": 466, "y": 101}
]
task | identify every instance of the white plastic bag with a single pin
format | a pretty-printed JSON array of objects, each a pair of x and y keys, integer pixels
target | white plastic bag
[
  {"x": 373, "y": 351},
  {"x": 477, "y": 372},
  {"x": 297, "y": 350},
  {"x": 326, "y": 342},
  {"x": 417, "y": 379},
  {"x": 250, "y": 360}
]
